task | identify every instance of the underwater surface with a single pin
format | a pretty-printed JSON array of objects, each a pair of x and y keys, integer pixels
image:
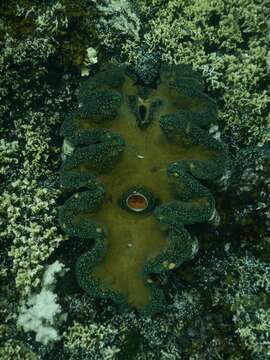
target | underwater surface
[{"x": 135, "y": 179}]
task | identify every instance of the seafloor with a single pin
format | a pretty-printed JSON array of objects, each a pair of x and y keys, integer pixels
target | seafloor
[{"x": 217, "y": 304}]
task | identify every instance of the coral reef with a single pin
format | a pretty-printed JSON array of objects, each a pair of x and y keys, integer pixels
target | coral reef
[
  {"x": 138, "y": 152},
  {"x": 251, "y": 184},
  {"x": 241, "y": 285},
  {"x": 17, "y": 351},
  {"x": 138, "y": 336},
  {"x": 94, "y": 341},
  {"x": 29, "y": 194},
  {"x": 228, "y": 43},
  {"x": 118, "y": 19},
  {"x": 216, "y": 304}
]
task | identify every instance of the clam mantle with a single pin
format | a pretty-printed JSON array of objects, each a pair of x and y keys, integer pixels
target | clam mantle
[{"x": 136, "y": 157}]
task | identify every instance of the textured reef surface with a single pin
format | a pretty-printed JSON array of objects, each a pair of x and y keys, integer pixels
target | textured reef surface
[
  {"x": 216, "y": 304},
  {"x": 133, "y": 158}
]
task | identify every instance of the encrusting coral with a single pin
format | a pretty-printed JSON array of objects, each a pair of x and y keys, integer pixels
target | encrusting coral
[{"x": 135, "y": 154}]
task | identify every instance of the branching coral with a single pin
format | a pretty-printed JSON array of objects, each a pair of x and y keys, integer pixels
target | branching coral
[
  {"x": 138, "y": 154},
  {"x": 117, "y": 20},
  {"x": 94, "y": 341},
  {"x": 16, "y": 350},
  {"x": 28, "y": 113},
  {"x": 228, "y": 42},
  {"x": 239, "y": 286}
]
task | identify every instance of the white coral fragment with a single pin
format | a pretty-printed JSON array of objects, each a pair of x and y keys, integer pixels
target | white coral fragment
[{"x": 41, "y": 311}]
